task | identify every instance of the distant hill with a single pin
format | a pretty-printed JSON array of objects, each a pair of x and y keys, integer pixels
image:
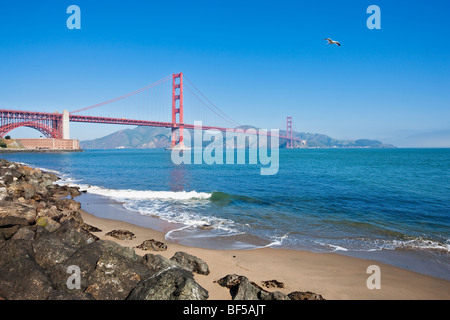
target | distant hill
[
  {"x": 158, "y": 138},
  {"x": 317, "y": 140},
  {"x": 137, "y": 138}
]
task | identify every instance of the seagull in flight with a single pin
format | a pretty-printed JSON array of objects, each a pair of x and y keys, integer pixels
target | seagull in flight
[{"x": 332, "y": 42}]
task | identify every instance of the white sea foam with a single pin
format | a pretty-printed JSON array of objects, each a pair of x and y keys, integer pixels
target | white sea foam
[
  {"x": 278, "y": 241},
  {"x": 420, "y": 243},
  {"x": 129, "y": 194}
]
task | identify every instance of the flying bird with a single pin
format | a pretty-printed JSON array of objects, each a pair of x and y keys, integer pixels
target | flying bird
[{"x": 332, "y": 42}]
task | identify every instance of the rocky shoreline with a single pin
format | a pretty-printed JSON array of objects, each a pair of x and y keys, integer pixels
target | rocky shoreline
[{"x": 47, "y": 252}]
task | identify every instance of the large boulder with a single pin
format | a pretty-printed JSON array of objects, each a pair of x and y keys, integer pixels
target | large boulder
[
  {"x": 172, "y": 283},
  {"x": 156, "y": 262},
  {"x": 15, "y": 249},
  {"x": 50, "y": 251},
  {"x": 56, "y": 247},
  {"x": 21, "y": 210},
  {"x": 114, "y": 277},
  {"x": 191, "y": 262},
  {"x": 24, "y": 279},
  {"x": 108, "y": 271},
  {"x": 241, "y": 288}
]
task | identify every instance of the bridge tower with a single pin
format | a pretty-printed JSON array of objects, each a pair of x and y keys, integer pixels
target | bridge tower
[
  {"x": 177, "y": 109},
  {"x": 65, "y": 124},
  {"x": 289, "y": 132}
]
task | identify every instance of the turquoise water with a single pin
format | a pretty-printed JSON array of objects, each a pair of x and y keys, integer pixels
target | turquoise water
[{"x": 380, "y": 203}]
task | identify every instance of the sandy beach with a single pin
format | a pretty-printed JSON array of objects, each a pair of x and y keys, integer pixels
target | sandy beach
[{"x": 334, "y": 276}]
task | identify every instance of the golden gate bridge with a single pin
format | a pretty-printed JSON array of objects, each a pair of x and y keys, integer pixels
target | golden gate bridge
[{"x": 160, "y": 104}]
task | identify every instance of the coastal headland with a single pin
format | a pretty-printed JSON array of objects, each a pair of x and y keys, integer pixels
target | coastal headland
[{"x": 52, "y": 248}]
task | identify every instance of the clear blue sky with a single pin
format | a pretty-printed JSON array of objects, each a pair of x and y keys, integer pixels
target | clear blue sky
[{"x": 259, "y": 61}]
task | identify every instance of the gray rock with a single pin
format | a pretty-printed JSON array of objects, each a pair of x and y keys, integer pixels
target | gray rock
[
  {"x": 191, "y": 262},
  {"x": 114, "y": 277},
  {"x": 73, "y": 234},
  {"x": 50, "y": 251},
  {"x": 156, "y": 262},
  {"x": 241, "y": 288},
  {"x": 231, "y": 280},
  {"x": 247, "y": 290},
  {"x": 276, "y": 295},
  {"x": 56, "y": 247},
  {"x": 87, "y": 258},
  {"x": 24, "y": 234},
  {"x": 172, "y": 283}
]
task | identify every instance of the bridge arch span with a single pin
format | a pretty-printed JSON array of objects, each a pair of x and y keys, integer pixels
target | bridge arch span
[{"x": 47, "y": 131}]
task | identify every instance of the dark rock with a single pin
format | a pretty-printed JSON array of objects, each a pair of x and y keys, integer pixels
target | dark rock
[
  {"x": 152, "y": 245},
  {"x": 273, "y": 284},
  {"x": 15, "y": 249},
  {"x": 121, "y": 234},
  {"x": 241, "y": 288},
  {"x": 8, "y": 233},
  {"x": 24, "y": 279},
  {"x": 191, "y": 262},
  {"x": 90, "y": 228},
  {"x": 73, "y": 295},
  {"x": 73, "y": 234},
  {"x": 114, "y": 277},
  {"x": 247, "y": 290},
  {"x": 156, "y": 262},
  {"x": 24, "y": 233},
  {"x": 298, "y": 295},
  {"x": 276, "y": 295},
  {"x": 112, "y": 247},
  {"x": 10, "y": 221},
  {"x": 87, "y": 258},
  {"x": 169, "y": 284},
  {"x": 50, "y": 251},
  {"x": 58, "y": 246},
  {"x": 231, "y": 280}
]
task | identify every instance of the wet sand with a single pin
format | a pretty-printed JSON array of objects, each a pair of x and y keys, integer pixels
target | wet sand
[{"x": 332, "y": 275}]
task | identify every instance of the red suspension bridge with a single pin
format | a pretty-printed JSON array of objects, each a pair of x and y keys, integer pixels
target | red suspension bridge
[{"x": 160, "y": 104}]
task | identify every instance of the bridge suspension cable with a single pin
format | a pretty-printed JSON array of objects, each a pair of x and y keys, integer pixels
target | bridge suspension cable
[
  {"x": 210, "y": 105},
  {"x": 125, "y": 95}
]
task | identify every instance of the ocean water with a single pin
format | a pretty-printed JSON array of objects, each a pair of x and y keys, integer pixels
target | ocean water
[{"x": 392, "y": 205}]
